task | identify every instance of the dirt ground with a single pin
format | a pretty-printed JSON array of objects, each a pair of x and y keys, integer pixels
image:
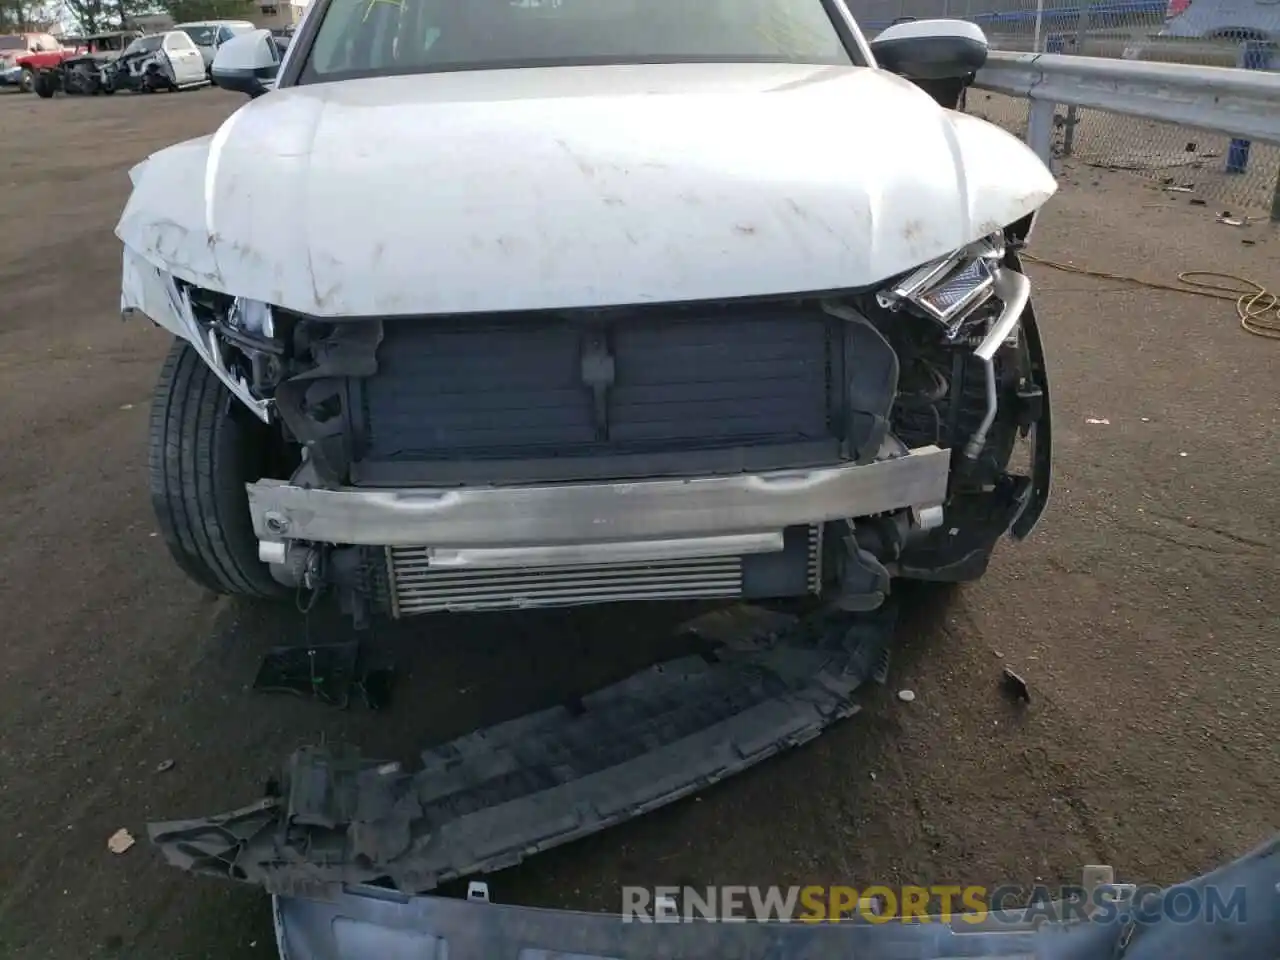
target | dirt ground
[{"x": 1143, "y": 613}]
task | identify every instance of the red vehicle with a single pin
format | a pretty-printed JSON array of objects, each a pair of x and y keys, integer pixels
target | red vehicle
[
  {"x": 83, "y": 69},
  {"x": 33, "y": 63},
  {"x": 18, "y": 48}
]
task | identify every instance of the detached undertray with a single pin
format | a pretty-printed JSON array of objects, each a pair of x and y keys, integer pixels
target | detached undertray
[{"x": 488, "y": 799}]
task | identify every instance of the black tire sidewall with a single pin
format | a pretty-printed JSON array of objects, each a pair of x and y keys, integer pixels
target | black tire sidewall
[{"x": 204, "y": 447}]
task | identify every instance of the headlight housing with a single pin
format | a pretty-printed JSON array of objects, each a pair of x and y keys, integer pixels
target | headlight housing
[
  {"x": 253, "y": 316},
  {"x": 950, "y": 289},
  {"x": 954, "y": 291},
  {"x": 237, "y": 337}
]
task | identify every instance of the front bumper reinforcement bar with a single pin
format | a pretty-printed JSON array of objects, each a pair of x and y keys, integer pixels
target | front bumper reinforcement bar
[{"x": 586, "y": 513}]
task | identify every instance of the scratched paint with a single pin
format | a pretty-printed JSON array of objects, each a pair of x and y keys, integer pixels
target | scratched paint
[{"x": 514, "y": 190}]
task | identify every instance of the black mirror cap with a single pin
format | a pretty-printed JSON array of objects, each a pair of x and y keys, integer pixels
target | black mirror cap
[
  {"x": 249, "y": 82},
  {"x": 931, "y": 50}
]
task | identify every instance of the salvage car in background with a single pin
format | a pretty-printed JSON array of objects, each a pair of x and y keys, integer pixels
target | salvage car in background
[
  {"x": 161, "y": 61},
  {"x": 15, "y": 47},
  {"x": 89, "y": 71},
  {"x": 734, "y": 312},
  {"x": 1229, "y": 20},
  {"x": 209, "y": 35},
  {"x": 32, "y": 64}
]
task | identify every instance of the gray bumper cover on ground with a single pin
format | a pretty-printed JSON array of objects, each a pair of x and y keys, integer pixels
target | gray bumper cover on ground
[
  {"x": 489, "y": 799},
  {"x": 368, "y": 924}
]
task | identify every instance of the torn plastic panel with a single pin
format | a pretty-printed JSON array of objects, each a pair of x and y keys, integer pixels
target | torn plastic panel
[
  {"x": 371, "y": 924},
  {"x": 985, "y": 502},
  {"x": 272, "y": 360},
  {"x": 487, "y": 800}
]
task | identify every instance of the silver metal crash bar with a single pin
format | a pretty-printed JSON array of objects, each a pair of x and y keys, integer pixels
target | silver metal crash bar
[{"x": 572, "y": 515}]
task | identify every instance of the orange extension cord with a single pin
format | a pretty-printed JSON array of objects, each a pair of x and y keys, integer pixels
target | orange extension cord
[{"x": 1256, "y": 306}]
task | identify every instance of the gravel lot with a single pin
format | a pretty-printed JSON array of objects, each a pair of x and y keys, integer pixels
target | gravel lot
[{"x": 1143, "y": 614}]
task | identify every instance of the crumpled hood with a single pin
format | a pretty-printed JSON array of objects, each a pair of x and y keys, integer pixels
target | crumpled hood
[{"x": 574, "y": 187}]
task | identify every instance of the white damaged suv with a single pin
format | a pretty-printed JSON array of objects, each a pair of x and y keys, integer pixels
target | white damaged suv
[{"x": 517, "y": 303}]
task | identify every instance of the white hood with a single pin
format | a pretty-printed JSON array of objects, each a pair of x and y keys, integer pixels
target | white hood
[{"x": 577, "y": 186}]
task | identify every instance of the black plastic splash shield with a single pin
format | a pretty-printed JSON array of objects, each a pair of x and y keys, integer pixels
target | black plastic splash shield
[
  {"x": 487, "y": 800},
  {"x": 370, "y": 924}
]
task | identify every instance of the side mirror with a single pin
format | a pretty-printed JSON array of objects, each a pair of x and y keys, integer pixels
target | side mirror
[
  {"x": 247, "y": 64},
  {"x": 931, "y": 49}
]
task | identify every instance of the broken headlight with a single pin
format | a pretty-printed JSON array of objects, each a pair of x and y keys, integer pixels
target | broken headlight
[
  {"x": 252, "y": 316},
  {"x": 238, "y": 337},
  {"x": 949, "y": 289}
]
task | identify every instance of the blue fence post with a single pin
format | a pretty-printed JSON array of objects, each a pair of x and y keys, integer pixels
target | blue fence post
[{"x": 1254, "y": 55}]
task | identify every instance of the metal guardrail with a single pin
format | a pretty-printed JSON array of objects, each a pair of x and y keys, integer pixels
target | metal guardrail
[
  {"x": 1126, "y": 101},
  {"x": 1130, "y": 46},
  {"x": 1103, "y": 11},
  {"x": 1237, "y": 103}
]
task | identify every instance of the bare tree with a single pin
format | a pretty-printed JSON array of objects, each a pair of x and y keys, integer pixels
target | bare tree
[
  {"x": 89, "y": 16},
  {"x": 17, "y": 16},
  {"x": 92, "y": 16},
  {"x": 188, "y": 10}
]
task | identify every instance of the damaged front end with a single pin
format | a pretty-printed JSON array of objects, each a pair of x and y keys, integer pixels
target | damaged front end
[
  {"x": 140, "y": 71},
  {"x": 754, "y": 449}
]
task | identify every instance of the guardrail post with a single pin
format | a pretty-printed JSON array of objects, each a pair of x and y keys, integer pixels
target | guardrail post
[
  {"x": 1253, "y": 55},
  {"x": 1069, "y": 127},
  {"x": 1040, "y": 113},
  {"x": 1040, "y": 129}
]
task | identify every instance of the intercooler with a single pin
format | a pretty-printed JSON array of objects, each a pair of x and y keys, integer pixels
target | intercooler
[{"x": 412, "y": 585}]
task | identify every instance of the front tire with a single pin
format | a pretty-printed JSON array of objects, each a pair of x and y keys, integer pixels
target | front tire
[
  {"x": 204, "y": 447},
  {"x": 26, "y": 83},
  {"x": 44, "y": 85}
]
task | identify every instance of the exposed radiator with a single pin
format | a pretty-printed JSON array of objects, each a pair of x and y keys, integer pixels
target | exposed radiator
[
  {"x": 413, "y": 586},
  {"x": 485, "y": 390}
]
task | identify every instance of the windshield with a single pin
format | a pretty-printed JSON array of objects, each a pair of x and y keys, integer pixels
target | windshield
[
  {"x": 13, "y": 43},
  {"x": 145, "y": 44},
  {"x": 201, "y": 36},
  {"x": 362, "y": 38}
]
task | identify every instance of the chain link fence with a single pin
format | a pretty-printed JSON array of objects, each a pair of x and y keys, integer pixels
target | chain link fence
[{"x": 1238, "y": 179}]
